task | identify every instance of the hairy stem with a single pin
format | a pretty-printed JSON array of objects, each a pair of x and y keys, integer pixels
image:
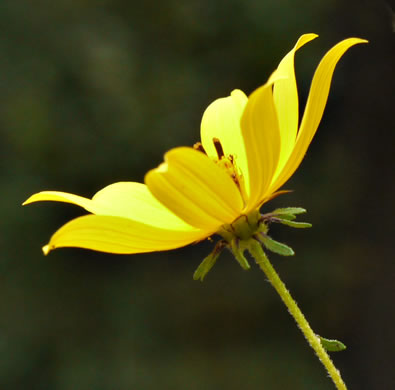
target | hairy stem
[{"x": 261, "y": 259}]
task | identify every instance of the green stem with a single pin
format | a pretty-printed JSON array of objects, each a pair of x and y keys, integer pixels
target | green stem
[{"x": 261, "y": 259}]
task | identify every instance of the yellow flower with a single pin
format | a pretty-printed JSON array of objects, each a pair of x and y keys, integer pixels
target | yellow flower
[{"x": 249, "y": 148}]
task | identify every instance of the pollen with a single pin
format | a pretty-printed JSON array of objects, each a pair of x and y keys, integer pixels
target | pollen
[{"x": 228, "y": 163}]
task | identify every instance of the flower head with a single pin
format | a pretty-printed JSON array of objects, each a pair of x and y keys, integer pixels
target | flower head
[{"x": 250, "y": 146}]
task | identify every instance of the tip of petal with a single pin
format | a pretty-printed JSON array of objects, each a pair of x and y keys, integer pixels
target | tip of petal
[
  {"x": 354, "y": 40},
  {"x": 360, "y": 40},
  {"x": 46, "y": 249},
  {"x": 28, "y": 200},
  {"x": 310, "y": 36},
  {"x": 238, "y": 93}
]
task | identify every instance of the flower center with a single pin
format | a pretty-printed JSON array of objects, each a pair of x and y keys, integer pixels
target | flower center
[{"x": 228, "y": 163}]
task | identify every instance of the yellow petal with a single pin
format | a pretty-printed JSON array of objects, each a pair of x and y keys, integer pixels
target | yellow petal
[
  {"x": 193, "y": 187},
  {"x": 119, "y": 235},
  {"x": 135, "y": 201},
  {"x": 124, "y": 199},
  {"x": 315, "y": 106},
  {"x": 221, "y": 121},
  {"x": 57, "y": 196},
  {"x": 262, "y": 140},
  {"x": 285, "y": 96}
]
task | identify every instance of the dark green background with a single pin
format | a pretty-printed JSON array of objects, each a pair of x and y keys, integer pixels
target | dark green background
[{"x": 94, "y": 92}]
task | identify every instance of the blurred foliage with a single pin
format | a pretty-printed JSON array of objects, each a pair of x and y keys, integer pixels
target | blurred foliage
[{"x": 94, "y": 92}]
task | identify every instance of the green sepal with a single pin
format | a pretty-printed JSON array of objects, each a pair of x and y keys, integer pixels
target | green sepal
[
  {"x": 208, "y": 263},
  {"x": 288, "y": 217},
  {"x": 239, "y": 255},
  {"x": 289, "y": 211},
  {"x": 332, "y": 345},
  {"x": 293, "y": 224},
  {"x": 275, "y": 246}
]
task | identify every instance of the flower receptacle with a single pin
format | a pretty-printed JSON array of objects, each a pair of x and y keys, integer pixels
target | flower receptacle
[{"x": 238, "y": 237}]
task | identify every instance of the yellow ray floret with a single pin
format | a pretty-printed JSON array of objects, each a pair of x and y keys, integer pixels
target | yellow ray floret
[
  {"x": 119, "y": 235},
  {"x": 128, "y": 219}
]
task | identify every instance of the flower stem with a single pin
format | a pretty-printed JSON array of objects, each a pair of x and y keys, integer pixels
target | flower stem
[{"x": 261, "y": 259}]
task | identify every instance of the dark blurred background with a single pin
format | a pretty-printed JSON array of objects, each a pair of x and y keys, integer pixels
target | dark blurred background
[{"x": 94, "y": 92}]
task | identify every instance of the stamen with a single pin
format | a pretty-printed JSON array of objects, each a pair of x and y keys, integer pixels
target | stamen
[
  {"x": 199, "y": 147},
  {"x": 218, "y": 148}
]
